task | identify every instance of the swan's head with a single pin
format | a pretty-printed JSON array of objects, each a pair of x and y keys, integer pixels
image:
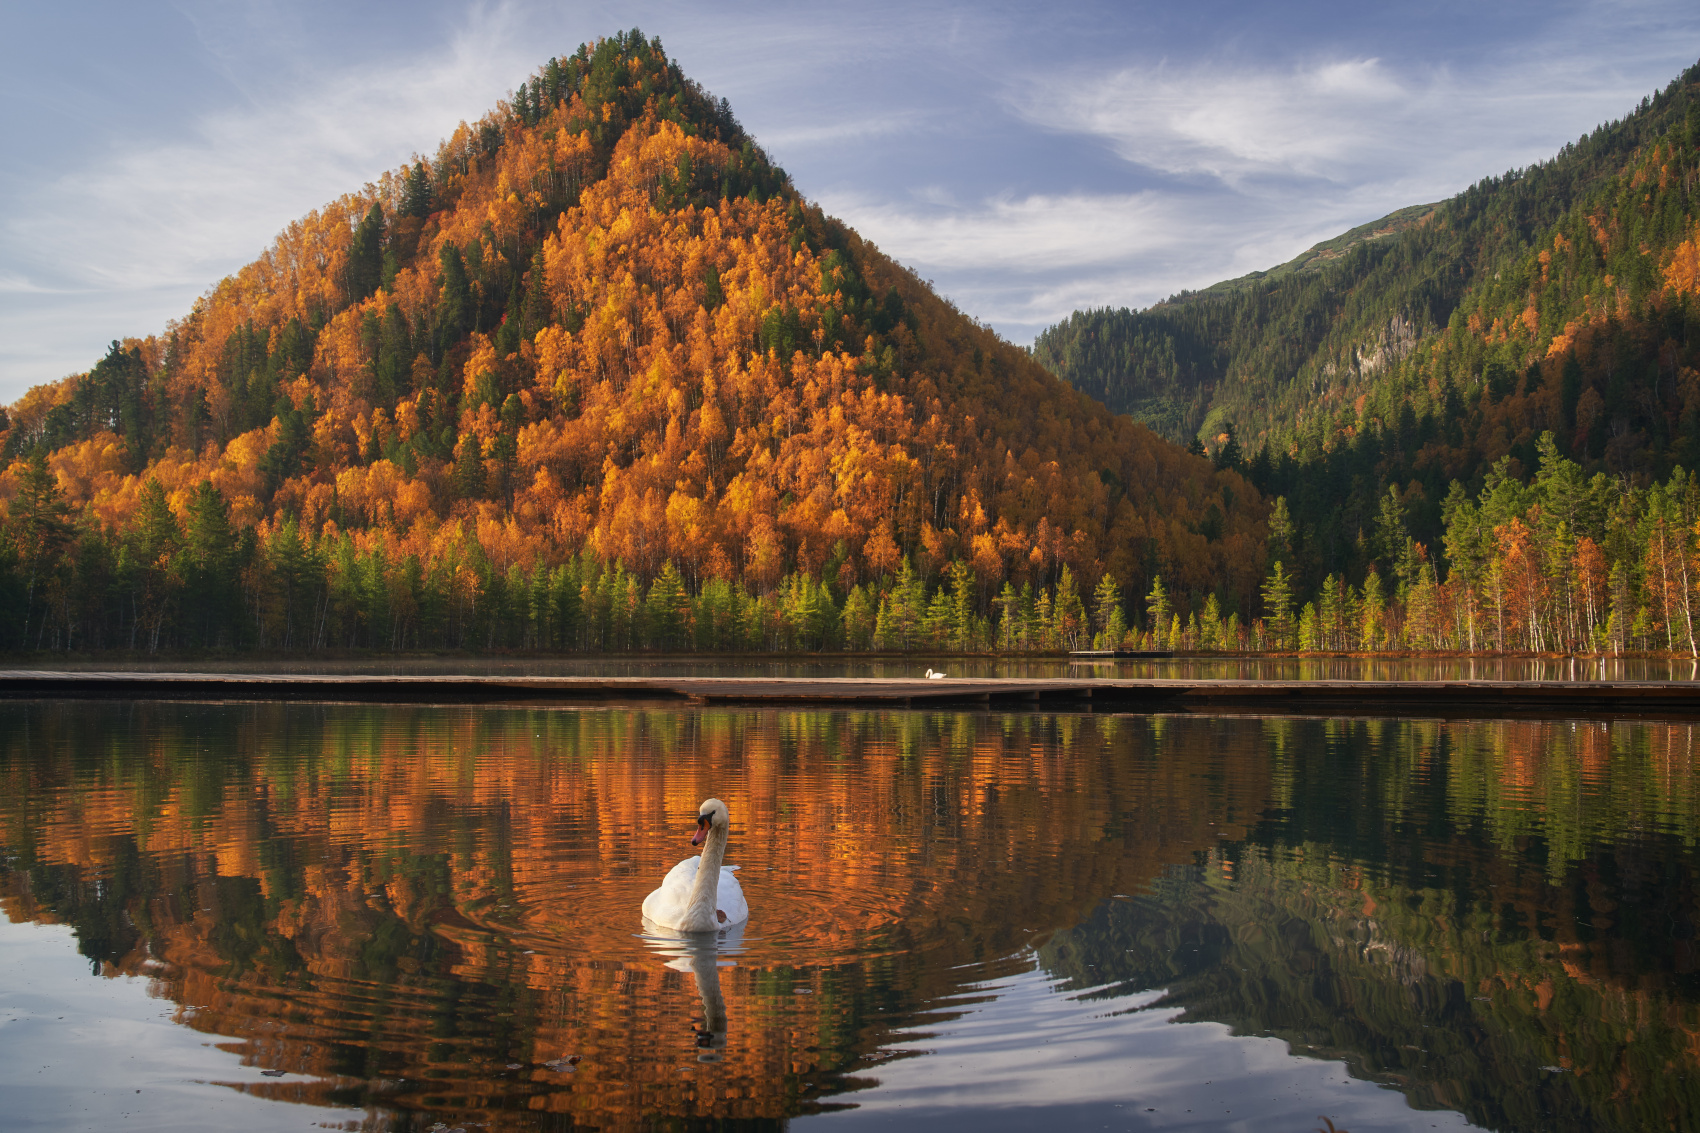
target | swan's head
[{"x": 711, "y": 815}]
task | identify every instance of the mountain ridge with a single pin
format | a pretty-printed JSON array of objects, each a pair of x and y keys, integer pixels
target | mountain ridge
[
  {"x": 1318, "y": 255},
  {"x": 1541, "y": 324},
  {"x": 598, "y": 328},
  {"x": 1261, "y": 351}
]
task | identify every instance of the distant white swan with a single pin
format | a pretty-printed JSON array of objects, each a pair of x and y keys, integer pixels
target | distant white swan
[
  {"x": 932, "y": 676},
  {"x": 699, "y": 894}
]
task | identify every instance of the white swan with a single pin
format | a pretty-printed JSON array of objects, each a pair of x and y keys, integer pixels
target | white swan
[
  {"x": 932, "y": 676},
  {"x": 698, "y": 894}
]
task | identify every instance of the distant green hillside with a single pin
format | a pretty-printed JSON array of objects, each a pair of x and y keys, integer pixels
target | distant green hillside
[
  {"x": 1438, "y": 345},
  {"x": 1318, "y": 256},
  {"x": 1265, "y": 351}
]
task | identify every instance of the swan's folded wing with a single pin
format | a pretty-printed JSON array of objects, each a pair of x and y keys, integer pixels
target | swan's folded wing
[
  {"x": 666, "y": 904},
  {"x": 730, "y": 897}
]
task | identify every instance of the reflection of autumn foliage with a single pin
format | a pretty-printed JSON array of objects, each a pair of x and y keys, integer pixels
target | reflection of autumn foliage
[
  {"x": 381, "y": 885},
  {"x": 602, "y": 323}
]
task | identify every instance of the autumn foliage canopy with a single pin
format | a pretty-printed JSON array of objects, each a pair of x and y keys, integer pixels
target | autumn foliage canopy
[{"x": 598, "y": 325}]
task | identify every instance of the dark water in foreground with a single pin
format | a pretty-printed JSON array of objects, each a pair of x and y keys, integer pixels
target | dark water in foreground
[{"x": 295, "y": 916}]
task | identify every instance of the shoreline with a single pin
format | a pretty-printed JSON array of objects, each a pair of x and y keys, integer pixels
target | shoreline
[{"x": 1434, "y": 698}]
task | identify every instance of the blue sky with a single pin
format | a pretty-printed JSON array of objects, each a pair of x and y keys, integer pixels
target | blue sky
[{"x": 1028, "y": 158}]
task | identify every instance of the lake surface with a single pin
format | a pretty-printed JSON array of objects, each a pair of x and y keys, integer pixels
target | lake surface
[{"x": 298, "y": 916}]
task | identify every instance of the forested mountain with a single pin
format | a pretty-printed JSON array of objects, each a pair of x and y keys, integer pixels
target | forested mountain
[
  {"x": 595, "y": 375},
  {"x": 1284, "y": 356},
  {"x": 1206, "y": 355},
  {"x": 1394, "y": 397}
]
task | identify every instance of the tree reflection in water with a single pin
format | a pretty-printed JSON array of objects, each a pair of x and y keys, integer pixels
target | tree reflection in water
[{"x": 430, "y": 913}]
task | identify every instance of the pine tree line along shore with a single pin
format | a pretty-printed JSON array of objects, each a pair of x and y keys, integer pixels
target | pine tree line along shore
[{"x": 1564, "y": 564}]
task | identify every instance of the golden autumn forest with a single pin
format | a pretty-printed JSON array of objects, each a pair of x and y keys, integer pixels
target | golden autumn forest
[{"x": 594, "y": 376}]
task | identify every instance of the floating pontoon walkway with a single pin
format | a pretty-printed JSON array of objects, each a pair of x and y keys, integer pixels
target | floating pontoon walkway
[{"x": 1324, "y": 698}]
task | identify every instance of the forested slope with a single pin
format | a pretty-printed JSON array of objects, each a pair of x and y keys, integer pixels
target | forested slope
[
  {"x": 1284, "y": 355},
  {"x": 594, "y": 376},
  {"x": 1496, "y": 408}
]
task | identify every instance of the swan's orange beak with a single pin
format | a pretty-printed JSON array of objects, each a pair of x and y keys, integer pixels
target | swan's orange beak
[{"x": 702, "y": 830}]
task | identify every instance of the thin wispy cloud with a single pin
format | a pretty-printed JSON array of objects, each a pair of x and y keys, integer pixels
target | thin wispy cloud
[
  {"x": 171, "y": 212},
  {"x": 1347, "y": 121},
  {"x": 1027, "y": 262},
  {"x": 1033, "y": 233},
  {"x": 1323, "y": 121},
  {"x": 138, "y": 233},
  {"x": 796, "y": 136}
]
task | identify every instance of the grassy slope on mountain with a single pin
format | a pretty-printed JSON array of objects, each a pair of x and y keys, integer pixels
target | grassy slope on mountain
[
  {"x": 1319, "y": 256},
  {"x": 1265, "y": 354},
  {"x": 601, "y": 321}
]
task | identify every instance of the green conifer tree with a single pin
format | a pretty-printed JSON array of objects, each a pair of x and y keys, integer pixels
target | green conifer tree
[
  {"x": 962, "y": 590},
  {"x": 454, "y": 306},
  {"x": 1008, "y": 603},
  {"x": 1107, "y": 614},
  {"x": 209, "y": 550},
  {"x": 366, "y": 255},
  {"x": 857, "y": 619},
  {"x": 1157, "y": 609},
  {"x": 667, "y": 609},
  {"x": 1278, "y": 608},
  {"x": 1374, "y": 633}
]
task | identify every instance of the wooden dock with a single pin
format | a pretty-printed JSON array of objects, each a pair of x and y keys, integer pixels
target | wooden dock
[{"x": 1679, "y": 699}]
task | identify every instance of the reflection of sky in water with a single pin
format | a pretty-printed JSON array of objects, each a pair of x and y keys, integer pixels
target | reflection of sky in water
[
  {"x": 78, "y": 1052},
  {"x": 958, "y": 919},
  {"x": 1032, "y": 1055}
]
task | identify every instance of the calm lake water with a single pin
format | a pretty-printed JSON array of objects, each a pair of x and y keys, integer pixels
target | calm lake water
[{"x": 297, "y": 916}]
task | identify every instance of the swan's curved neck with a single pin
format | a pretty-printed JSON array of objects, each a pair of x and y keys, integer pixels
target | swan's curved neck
[{"x": 705, "y": 890}]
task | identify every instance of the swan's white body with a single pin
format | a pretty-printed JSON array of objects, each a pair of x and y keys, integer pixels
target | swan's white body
[
  {"x": 670, "y": 905},
  {"x": 932, "y": 676},
  {"x": 699, "y": 894}
]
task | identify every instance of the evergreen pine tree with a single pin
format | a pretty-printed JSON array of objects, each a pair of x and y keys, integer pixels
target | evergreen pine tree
[
  {"x": 1374, "y": 632},
  {"x": 454, "y": 306},
  {"x": 667, "y": 608},
  {"x": 1008, "y": 603},
  {"x": 41, "y": 528},
  {"x": 209, "y": 551},
  {"x": 469, "y": 469},
  {"x": 1107, "y": 609},
  {"x": 962, "y": 619},
  {"x": 1390, "y": 532},
  {"x": 1157, "y": 608},
  {"x": 366, "y": 255},
  {"x": 1278, "y": 607},
  {"x": 416, "y": 192}
]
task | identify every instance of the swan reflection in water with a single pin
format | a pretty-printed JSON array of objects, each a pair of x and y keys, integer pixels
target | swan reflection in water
[{"x": 700, "y": 953}]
